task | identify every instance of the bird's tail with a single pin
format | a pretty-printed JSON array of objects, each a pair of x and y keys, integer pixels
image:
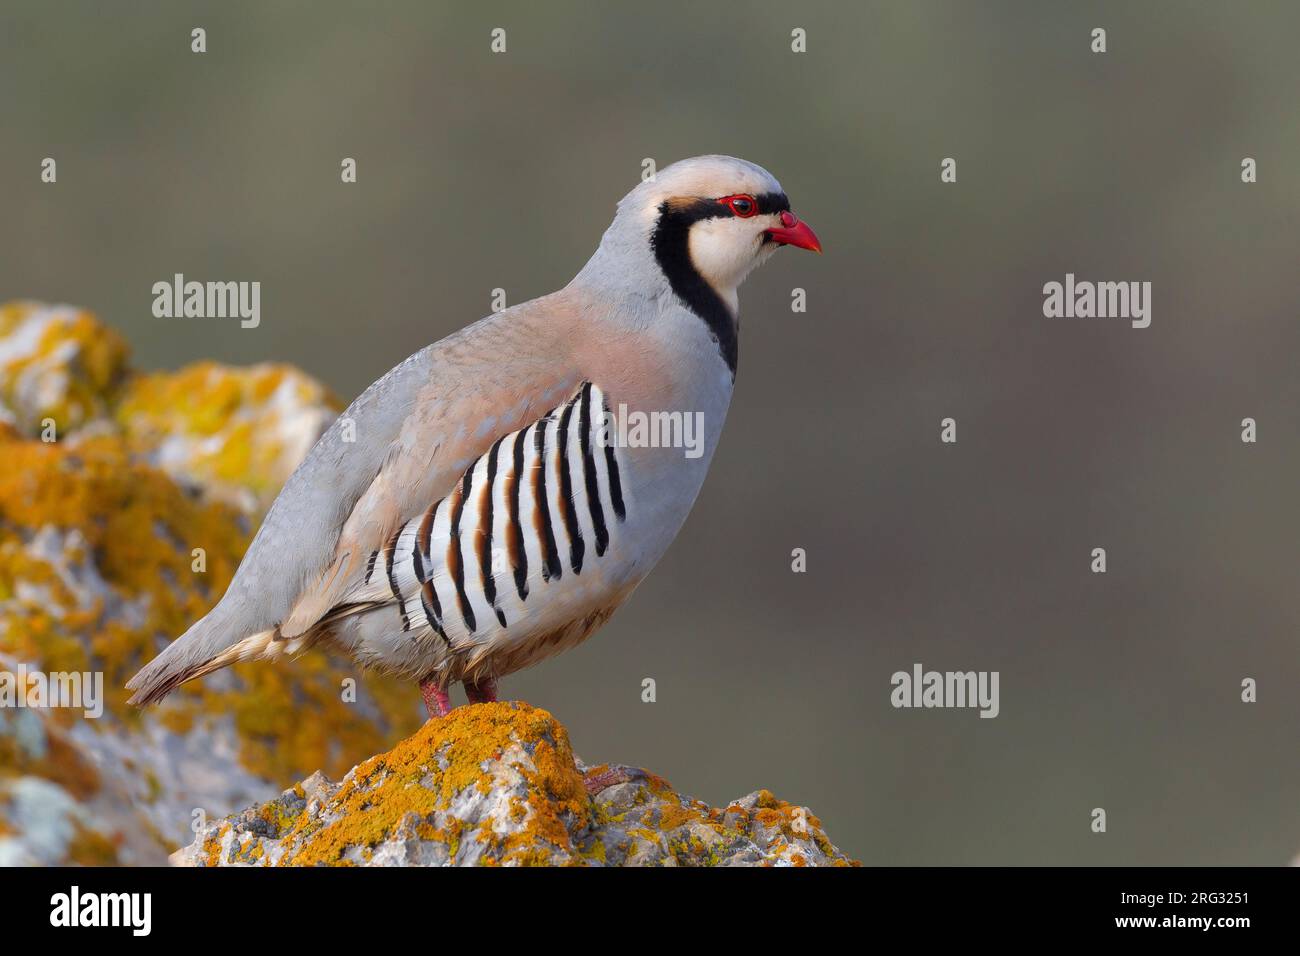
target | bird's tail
[{"x": 195, "y": 653}]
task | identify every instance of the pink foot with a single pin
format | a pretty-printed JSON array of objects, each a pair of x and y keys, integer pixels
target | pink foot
[
  {"x": 481, "y": 692},
  {"x": 436, "y": 700},
  {"x": 609, "y": 777}
]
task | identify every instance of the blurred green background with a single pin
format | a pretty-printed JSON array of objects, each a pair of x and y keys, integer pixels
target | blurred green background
[{"x": 479, "y": 171}]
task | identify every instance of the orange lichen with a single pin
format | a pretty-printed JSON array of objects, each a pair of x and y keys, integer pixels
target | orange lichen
[
  {"x": 447, "y": 756},
  {"x": 91, "y": 848},
  {"x": 674, "y": 816},
  {"x": 212, "y": 845},
  {"x": 412, "y": 790},
  {"x": 59, "y": 763},
  {"x": 140, "y": 529}
]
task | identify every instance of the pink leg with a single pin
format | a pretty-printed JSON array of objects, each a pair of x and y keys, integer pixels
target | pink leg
[
  {"x": 436, "y": 700},
  {"x": 481, "y": 692}
]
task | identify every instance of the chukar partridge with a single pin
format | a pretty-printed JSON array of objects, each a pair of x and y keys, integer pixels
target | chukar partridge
[{"x": 484, "y": 505}]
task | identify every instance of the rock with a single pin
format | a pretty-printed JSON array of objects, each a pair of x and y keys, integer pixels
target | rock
[
  {"x": 498, "y": 784},
  {"x": 235, "y": 434},
  {"x": 58, "y": 363},
  {"x": 115, "y": 537}
]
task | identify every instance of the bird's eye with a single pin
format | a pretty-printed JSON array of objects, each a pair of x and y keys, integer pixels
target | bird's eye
[{"x": 742, "y": 206}]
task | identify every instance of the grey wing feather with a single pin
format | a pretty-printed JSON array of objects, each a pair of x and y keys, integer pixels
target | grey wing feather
[{"x": 299, "y": 533}]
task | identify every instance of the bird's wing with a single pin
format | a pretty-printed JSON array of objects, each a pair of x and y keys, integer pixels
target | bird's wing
[
  {"x": 445, "y": 432},
  {"x": 407, "y": 437},
  {"x": 543, "y": 501}
]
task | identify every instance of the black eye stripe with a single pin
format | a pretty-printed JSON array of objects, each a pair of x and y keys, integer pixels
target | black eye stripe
[{"x": 772, "y": 202}]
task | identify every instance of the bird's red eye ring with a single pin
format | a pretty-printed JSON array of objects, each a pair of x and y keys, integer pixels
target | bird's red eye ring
[{"x": 742, "y": 206}]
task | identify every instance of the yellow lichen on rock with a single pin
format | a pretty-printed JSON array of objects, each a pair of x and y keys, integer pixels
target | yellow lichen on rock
[
  {"x": 237, "y": 433},
  {"x": 56, "y": 362},
  {"x": 116, "y": 535},
  {"x": 446, "y": 759},
  {"x": 136, "y": 532},
  {"x": 498, "y": 785},
  {"x": 129, "y": 523}
]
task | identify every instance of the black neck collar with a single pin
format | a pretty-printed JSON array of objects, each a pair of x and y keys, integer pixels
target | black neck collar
[{"x": 671, "y": 244}]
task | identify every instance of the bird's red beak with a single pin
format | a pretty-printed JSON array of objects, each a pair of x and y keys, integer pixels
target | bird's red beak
[{"x": 794, "y": 232}]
